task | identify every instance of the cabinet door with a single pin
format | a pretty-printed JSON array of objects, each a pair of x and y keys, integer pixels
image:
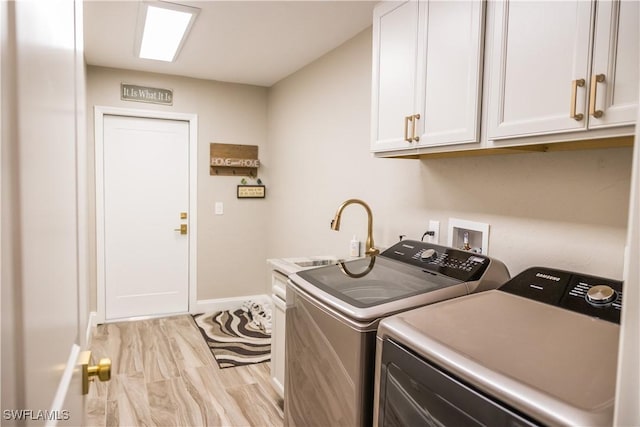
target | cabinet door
[
  {"x": 537, "y": 50},
  {"x": 450, "y": 72},
  {"x": 277, "y": 345},
  {"x": 278, "y": 286},
  {"x": 395, "y": 38},
  {"x": 615, "y": 57}
]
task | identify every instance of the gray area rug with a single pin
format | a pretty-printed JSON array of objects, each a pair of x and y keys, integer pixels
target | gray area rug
[{"x": 233, "y": 340}]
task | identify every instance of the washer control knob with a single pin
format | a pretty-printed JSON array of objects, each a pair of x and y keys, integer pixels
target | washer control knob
[
  {"x": 600, "y": 295},
  {"x": 428, "y": 255}
]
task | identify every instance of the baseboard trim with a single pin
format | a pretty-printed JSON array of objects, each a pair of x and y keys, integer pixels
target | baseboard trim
[{"x": 220, "y": 304}]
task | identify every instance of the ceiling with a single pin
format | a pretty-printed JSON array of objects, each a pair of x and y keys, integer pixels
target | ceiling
[{"x": 252, "y": 42}]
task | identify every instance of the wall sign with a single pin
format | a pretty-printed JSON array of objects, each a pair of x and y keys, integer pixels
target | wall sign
[
  {"x": 233, "y": 159},
  {"x": 251, "y": 191},
  {"x": 146, "y": 94},
  {"x": 235, "y": 163}
]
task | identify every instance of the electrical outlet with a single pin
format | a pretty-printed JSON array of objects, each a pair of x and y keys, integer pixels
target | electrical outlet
[{"x": 435, "y": 227}]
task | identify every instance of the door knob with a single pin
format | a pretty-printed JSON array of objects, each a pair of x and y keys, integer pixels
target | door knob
[
  {"x": 182, "y": 229},
  {"x": 102, "y": 370}
]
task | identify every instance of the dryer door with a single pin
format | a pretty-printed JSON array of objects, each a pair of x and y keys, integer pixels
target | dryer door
[{"x": 414, "y": 392}]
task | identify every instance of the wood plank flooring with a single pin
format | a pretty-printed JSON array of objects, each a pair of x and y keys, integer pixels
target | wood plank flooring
[{"x": 163, "y": 374}]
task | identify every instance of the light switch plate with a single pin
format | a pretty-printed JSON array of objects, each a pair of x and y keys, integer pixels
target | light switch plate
[{"x": 219, "y": 208}]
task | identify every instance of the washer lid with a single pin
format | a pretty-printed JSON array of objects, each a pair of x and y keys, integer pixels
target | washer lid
[
  {"x": 555, "y": 365},
  {"x": 373, "y": 281},
  {"x": 368, "y": 289}
]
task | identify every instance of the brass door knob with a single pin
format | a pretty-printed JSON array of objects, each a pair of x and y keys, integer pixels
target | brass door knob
[
  {"x": 102, "y": 370},
  {"x": 182, "y": 229}
]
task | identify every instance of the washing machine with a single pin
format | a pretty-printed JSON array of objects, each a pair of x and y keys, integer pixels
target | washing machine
[{"x": 332, "y": 314}]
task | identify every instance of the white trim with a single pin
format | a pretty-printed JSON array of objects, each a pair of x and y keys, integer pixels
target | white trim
[
  {"x": 145, "y": 317},
  {"x": 220, "y": 304},
  {"x": 99, "y": 113},
  {"x": 92, "y": 322}
]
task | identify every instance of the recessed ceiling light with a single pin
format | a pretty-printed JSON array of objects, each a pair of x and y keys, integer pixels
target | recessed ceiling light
[{"x": 162, "y": 29}]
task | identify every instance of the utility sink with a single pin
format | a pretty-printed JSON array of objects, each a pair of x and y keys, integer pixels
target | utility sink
[{"x": 316, "y": 262}]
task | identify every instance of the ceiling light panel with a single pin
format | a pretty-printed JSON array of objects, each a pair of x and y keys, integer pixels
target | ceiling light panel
[{"x": 162, "y": 29}]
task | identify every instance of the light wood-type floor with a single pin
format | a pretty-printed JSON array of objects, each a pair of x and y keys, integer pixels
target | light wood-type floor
[{"x": 163, "y": 374}]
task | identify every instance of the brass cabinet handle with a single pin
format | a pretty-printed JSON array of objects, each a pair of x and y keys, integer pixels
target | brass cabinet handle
[
  {"x": 595, "y": 79},
  {"x": 574, "y": 95},
  {"x": 406, "y": 128},
  {"x": 415, "y": 119}
]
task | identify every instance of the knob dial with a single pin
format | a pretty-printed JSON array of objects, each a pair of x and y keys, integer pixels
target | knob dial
[
  {"x": 428, "y": 255},
  {"x": 600, "y": 295}
]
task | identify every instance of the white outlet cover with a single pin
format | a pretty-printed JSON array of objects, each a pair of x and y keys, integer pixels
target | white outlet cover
[
  {"x": 435, "y": 227},
  {"x": 219, "y": 209}
]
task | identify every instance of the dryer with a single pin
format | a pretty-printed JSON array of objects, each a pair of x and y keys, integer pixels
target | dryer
[{"x": 540, "y": 350}]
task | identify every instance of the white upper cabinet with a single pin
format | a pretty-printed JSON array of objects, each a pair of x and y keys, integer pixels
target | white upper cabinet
[
  {"x": 547, "y": 75},
  {"x": 615, "y": 58},
  {"x": 426, "y": 86},
  {"x": 395, "y": 59},
  {"x": 450, "y": 72}
]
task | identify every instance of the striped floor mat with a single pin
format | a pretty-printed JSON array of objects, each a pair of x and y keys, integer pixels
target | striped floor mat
[{"x": 232, "y": 339}]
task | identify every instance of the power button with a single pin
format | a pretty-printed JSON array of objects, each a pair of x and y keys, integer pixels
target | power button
[{"x": 600, "y": 295}]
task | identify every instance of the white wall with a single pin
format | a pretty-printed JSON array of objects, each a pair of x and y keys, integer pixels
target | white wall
[
  {"x": 231, "y": 247},
  {"x": 566, "y": 210},
  {"x": 628, "y": 381}
]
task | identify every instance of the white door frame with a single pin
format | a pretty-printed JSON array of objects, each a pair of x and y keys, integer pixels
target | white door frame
[{"x": 99, "y": 113}]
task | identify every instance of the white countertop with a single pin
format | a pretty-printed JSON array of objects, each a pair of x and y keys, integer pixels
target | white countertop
[{"x": 288, "y": 266}]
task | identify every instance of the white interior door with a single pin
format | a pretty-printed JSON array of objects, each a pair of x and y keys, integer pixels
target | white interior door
[
  {"x": 146, "y": 189},
  {"x": 42, "y": 223}
]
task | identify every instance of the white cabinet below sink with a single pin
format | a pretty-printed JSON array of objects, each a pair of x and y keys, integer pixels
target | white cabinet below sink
[
  {"x": 278, "y": 296},
  {"x": 281, "y": 268}
]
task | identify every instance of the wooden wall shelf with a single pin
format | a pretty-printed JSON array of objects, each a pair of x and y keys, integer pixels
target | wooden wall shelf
[{"x": 233, "y": 160}]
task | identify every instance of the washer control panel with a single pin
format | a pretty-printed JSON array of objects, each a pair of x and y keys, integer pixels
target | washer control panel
[
  {"x": 459, "y": 264},
  {"x": 590, "y": 295}
]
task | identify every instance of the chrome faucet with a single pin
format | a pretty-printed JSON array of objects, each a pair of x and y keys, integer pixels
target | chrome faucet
[{"x": 335, "y": 224}]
